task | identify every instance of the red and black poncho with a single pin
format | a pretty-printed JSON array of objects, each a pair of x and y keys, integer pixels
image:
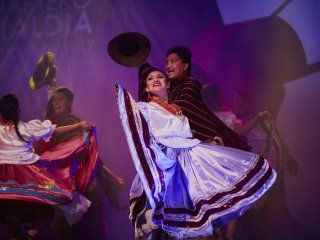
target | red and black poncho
[{"x": 186, "y": 93}]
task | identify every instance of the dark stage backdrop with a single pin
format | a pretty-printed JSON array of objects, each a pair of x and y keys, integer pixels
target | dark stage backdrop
[{"x": 256, "y": 46}]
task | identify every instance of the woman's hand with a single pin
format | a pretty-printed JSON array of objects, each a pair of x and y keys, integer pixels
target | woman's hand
[
  {"x": 116, "y": 92},
  {"x": 84, "y": 126},
  {"x": 262, "y": 116}
]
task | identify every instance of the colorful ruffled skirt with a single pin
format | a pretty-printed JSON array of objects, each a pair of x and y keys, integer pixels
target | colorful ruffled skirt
[
  {"x": 207, "y": 187},
  {"x": 58, "y": 179},
  {"x": 188, "y": 191}
]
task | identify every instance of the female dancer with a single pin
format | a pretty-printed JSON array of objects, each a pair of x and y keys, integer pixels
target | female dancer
[
  {"x": 24, "y": 180},
  {"x": 191, "y": 187}
]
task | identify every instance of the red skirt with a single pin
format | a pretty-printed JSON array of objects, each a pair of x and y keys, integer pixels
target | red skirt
[
  {"x": 52, "y": 185},
  {"x": 32, "y": 183}
]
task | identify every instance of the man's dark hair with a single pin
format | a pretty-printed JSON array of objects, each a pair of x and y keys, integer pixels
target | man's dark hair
[
  {"x": 246, "y": 97},
  {"x": 66, "y": 91},
  {"x": 183, "y": 53}
]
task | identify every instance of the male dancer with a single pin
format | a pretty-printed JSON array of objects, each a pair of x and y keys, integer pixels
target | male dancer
[{"x": 185, "y": 92}]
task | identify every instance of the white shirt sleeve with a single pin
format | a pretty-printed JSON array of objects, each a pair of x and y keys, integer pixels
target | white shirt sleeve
[
  {"x": 168, "y": 129},
  {"x": 35, "y": 129}
]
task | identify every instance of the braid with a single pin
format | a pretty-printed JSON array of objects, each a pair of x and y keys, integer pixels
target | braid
[
  {"x": 16, "y": 128},
  {"x": 9, "y": 109}
]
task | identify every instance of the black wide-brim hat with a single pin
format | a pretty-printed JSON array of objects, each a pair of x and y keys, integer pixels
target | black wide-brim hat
[
  {"x": 129, "y": 49},
  {"x": 44, "y": 72}
]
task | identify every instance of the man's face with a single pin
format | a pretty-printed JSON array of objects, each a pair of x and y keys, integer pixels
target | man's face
[
  {"x": 174, "y": 66},
  {"x": 60, "y": 103}
]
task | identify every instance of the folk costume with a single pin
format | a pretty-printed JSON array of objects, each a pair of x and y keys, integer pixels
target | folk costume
[{"x": 185, "y": 186}]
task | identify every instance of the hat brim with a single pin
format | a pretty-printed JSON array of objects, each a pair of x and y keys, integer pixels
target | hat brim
[
  {"x": 44, "y": 71},
  {"x": 129, "y": 49}
]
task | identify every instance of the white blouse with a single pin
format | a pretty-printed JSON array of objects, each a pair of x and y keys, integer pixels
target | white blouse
[
  {"x": 168, "y": 129},
  {"x": 15, "y": 151}
]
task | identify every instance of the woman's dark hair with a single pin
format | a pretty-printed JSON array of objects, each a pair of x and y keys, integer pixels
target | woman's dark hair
[
  {"x": 144, "y": 96},
  {"x": 49, "y": 113},
  {"x": 183, "y": 53},
  {"x": 10, "y": 111}
]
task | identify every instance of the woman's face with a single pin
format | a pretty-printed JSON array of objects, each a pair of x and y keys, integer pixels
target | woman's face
[
  {"x": 60, "y": 103},
  {"x": 157, "y": 84}
]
